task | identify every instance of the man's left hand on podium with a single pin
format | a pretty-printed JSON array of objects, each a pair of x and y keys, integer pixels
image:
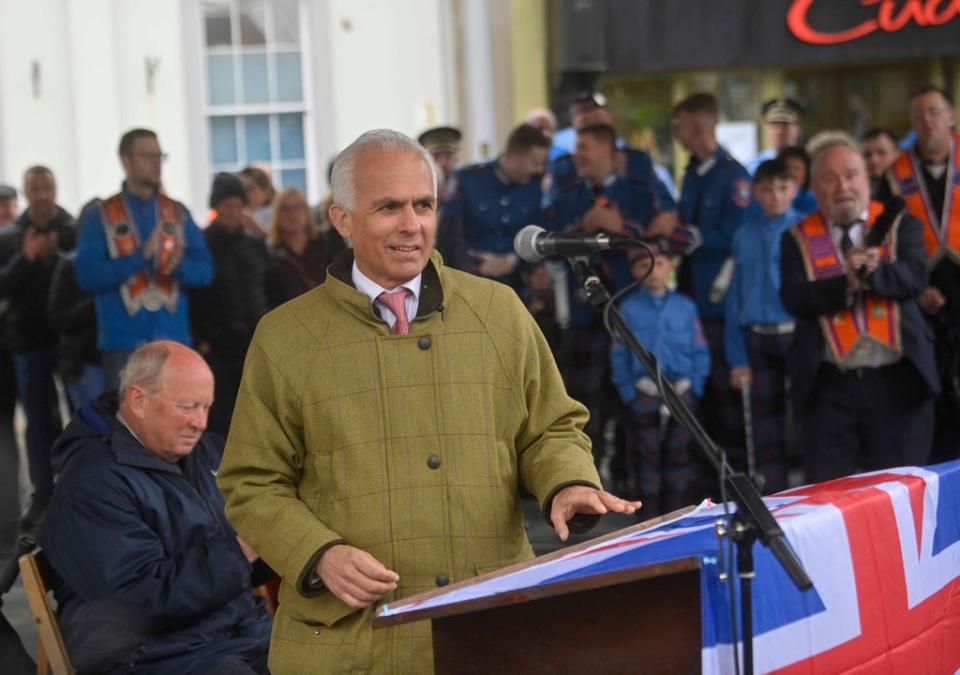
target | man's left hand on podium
[{"x": 586, "y": 500}]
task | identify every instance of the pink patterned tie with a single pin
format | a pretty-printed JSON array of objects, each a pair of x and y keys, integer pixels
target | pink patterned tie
[{"x": 395, "y": 301}]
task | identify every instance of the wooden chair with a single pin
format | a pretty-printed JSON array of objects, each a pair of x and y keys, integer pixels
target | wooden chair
[
  {"x": 268, "y": 591},
  {"x": 51, "y": 652}
]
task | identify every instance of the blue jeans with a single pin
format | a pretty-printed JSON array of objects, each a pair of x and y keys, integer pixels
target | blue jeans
[
  {"x": 38, "y": 395},
  {"x": 85, "y": 387}
]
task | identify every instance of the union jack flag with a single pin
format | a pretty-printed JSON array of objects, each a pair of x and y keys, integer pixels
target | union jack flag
[{"x": 882, "y": 549}]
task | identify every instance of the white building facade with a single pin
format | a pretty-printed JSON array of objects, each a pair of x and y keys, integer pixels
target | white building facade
[{"x": 224, "y": 83}]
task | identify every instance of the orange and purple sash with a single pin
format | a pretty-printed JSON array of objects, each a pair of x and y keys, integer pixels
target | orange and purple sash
[
  {"x": 148, "y": 290},
  {"x": 941, "y": 231},
  {"x": 871, "y": 317}
]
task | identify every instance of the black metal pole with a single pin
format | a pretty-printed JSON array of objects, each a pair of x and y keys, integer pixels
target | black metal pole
[
  {"x": 753, "y": 519},
  {"x": 745, "y": 536}
]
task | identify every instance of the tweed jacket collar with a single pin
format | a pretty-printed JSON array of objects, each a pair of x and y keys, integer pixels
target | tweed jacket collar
[{"x": 340, "y": 285}]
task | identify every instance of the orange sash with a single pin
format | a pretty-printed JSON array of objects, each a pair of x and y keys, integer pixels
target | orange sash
[
  {"x": 871, "y": 317},
  {"x": 941, "y": 231},
  {"x": 148, "y": 290}
]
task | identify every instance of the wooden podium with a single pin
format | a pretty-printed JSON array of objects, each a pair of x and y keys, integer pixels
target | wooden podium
[{"x": 640, "y": 620}]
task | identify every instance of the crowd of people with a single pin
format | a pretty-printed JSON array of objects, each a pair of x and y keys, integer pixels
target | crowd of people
[
  {"x": 805, "y": 307},
  {"x": 739, "y": 309}
]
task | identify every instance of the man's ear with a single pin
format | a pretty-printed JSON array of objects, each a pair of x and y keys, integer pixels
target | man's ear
[
  {"x": 341, "y": 220},
  {"x": 136, "y": 400}
]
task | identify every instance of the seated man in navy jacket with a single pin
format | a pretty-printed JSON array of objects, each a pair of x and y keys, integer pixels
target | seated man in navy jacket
[{"x": 150, "y": 575}]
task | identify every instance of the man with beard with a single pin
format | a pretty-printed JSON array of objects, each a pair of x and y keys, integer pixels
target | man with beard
[
  {"x": 135, "y": 253},
  {"x": 861, "y": 365},
  {"x": 927, "y": 177}
]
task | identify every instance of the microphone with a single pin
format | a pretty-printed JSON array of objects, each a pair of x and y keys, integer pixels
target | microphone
[
  {"x": 892, "y": 213},
  {"x": 533, "y": 243}
]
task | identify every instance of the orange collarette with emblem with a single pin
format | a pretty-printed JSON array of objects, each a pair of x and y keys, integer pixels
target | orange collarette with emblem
[
  {"x": 871, "y": 317},
  {"x": 941, "y": 231},
  {"x": 147, "y": 289}
]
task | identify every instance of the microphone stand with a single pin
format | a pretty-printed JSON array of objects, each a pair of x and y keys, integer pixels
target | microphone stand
[{"x": 752, "y": 520}]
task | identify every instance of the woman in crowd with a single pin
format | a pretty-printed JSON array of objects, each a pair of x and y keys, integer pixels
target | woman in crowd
[
  {"x": 300, "y": 257},
  {"x": 260, "y": 196}
]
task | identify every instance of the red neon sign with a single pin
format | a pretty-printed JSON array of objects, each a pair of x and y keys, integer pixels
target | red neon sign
[{"x": 889, "y": 18}]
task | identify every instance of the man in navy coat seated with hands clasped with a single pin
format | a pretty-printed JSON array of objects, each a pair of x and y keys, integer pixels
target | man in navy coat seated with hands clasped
[{"x": 151, "y": 577}]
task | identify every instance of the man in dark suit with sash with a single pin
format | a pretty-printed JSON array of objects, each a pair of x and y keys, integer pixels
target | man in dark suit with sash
[
  {"x": 927, "y": 177},
  {"x": 862, "y": 364}
]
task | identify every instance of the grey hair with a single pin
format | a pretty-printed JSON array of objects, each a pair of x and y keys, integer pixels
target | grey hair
[
  {"x": 343, "y": 180},
  {"x": 144, "y": 367},
  {"x": 828, "y": 140}
]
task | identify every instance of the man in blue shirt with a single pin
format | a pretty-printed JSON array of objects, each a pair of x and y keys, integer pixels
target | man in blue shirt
[
  {"x": 602, "y": 200},
  {"x": 714, "y": 195},
  {"x": 136, "y": 269},
  {"x": 631, "y": 162},
  {"x": 758, "y": 329},
  {"x": 495, "y": 200}
]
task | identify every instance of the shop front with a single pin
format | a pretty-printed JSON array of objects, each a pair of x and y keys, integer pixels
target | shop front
[{"x": 851, "y": 63}]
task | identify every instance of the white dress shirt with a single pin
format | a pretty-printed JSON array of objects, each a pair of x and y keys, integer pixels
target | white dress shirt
[{"x": 373, "y": 290}]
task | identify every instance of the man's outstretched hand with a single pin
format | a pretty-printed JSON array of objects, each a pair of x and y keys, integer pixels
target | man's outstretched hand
[
  {"x": 584, "y": 499},
  {"x": 355, "y": 576}
]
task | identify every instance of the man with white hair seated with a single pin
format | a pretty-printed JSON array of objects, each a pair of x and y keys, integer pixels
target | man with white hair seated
[{"x": 151, "y": 577}]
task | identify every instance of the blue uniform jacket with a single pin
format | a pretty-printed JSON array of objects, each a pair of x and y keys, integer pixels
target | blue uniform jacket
[
  {"x": 754, "y": 293},
  {"x": 636, "y": 202},
  {"x": 102, "y": 275},
  {"x": 668, "y": 327},
  {"x": 149, "y": 572},
  {"x": 713, "y": 197},
  {"x": 491, "y": 208},
  {"x": 563, "y": 174},
  {"x": 804, "y": 203}
]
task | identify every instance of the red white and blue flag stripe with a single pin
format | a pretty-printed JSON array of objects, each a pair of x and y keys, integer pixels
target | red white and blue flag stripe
[{"x": 882, "y": 549}]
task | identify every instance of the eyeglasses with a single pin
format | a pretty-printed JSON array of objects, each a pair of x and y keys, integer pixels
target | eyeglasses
[
  {"x": 152, "y": 156},
  {"x": 928, "y": 113}
]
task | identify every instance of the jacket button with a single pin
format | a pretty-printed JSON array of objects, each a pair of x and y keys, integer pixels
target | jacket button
[
  {"x": 442, "y": 580},
  {"x": 433, "y": 461},
  {"x": 424, "y": 343}
]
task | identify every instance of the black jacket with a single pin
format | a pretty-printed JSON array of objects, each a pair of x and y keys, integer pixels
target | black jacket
[
  {"x": 225, "y": 313},
  {"x": 27, "y": 283},
  {"x": 149, "y": 575},
  {"x": 902, "y": 280},
  {"x": 71, "y": 313}
]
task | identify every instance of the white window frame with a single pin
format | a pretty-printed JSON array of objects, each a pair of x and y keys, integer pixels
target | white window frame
[{"x": 270, "y": 109}]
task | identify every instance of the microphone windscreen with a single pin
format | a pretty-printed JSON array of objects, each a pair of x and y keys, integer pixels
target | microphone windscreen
[{"x": 524, "y": 243}]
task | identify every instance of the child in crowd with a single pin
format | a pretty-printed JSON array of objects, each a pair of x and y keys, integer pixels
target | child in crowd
[
  {"x": 667, "y": 325},
  {"x": 798, "y": 161},
  {"x": 758, "y": 330}
]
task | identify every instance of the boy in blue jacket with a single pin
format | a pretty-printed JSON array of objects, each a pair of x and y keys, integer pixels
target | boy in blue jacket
[
  {"x": 667, "y": 325},
  {"x": 758, "y": 329}
]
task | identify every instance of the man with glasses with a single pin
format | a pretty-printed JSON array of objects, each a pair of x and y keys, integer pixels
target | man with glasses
[
  {"x": 927, "y": 177},
  {"x": 136, "y": 252}
]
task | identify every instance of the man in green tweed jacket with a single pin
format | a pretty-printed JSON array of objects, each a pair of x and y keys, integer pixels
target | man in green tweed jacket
[{"x": 385, "y": 424}]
